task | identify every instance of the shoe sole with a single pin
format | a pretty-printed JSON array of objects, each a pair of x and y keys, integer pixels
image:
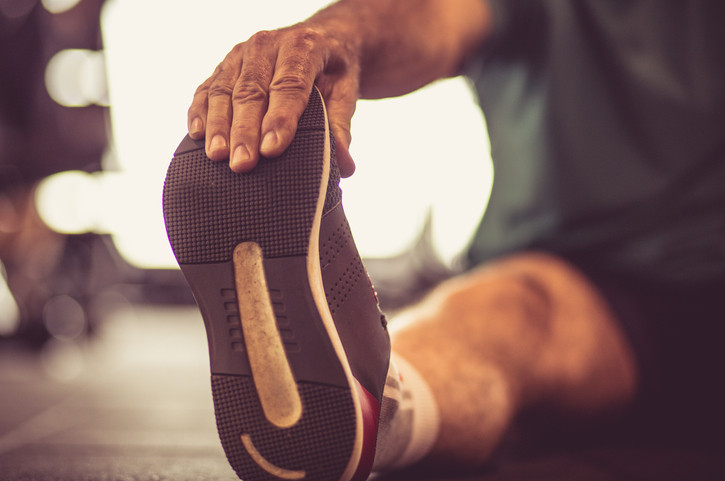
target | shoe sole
[{"x": 286, "y": 403}]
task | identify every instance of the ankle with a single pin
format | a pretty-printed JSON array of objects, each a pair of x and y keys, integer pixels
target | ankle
[
  {"x": 409, "y": 419},
  {"x": 478, "y": 412}
]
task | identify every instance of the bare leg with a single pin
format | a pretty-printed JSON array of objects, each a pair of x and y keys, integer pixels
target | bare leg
[{"x": 526, "y": 331}]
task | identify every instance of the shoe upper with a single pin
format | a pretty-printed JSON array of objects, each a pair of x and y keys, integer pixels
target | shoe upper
[{"x": 352, "y": 300}]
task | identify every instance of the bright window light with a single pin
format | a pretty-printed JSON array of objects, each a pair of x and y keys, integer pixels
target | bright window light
[{"x": 422, "y": 152}]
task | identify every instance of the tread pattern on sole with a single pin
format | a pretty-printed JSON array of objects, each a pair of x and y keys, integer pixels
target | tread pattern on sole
[
  {"x": 209, "y": 210},
  {"x": 202, "y": 201},
  {"x": 320, "y": 444}
]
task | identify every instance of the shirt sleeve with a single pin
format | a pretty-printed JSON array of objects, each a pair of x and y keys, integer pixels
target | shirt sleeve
[{"x": 512, "y": 22}]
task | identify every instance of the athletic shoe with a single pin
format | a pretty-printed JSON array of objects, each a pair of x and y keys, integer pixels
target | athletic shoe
[{"x": 299, "y": 349}]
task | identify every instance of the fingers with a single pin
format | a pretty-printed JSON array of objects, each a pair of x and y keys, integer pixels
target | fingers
[
  {"x": 344, "y": 160},
  {"x": 210, "y": 111},
  {"x": 250, "y": 101},
  {"x": 219, "y": 108},
  {"x": 299, "y": 62},
  {"x": 251, "y": 104},
  {"x": 197, "y": 111},
  {"x": 341, "y": 94}
]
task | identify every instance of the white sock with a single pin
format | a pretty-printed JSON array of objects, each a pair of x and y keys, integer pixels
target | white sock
[{"x": 408, "y": 418}]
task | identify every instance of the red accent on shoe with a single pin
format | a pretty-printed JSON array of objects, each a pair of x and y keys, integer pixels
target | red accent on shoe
[{"x": 370, "y": 408}]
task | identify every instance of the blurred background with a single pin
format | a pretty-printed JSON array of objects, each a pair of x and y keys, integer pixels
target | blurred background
[
  {"x": 94, "y": 99},
  {"x": 103, "y": 356}
]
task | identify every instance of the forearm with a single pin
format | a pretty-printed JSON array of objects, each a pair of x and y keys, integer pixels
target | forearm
[{"x": 405, "y": 44}]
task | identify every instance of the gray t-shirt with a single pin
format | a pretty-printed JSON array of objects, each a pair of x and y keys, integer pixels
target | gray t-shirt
[{"x": 607, "y": 128}]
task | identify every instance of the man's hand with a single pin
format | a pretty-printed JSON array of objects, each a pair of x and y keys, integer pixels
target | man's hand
[
  {"x": 251, "y": 103},
  {"x": 370, "y": 48}
]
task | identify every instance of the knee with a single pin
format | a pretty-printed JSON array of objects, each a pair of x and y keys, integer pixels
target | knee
[{"x": 497, "y": 289}]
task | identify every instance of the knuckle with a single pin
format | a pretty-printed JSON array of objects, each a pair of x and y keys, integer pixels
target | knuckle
[
  {"x": 228, "y": 67},
  {"x": 220, "y": 90},
  {"x": 202, "y": 89},
  {"x": 306, "y": 38},
  {"x": 220, "y": 84},
  {"x": 233, "y": 57},
  {"x": 260, "y": 39},
  {"x": 236, "y": 51},
  {"x": 292, "y": 82},
  {"x": 249, "y": 90}
]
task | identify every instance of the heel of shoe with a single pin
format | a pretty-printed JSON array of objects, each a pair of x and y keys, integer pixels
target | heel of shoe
[{"x": 318, "y": 448}]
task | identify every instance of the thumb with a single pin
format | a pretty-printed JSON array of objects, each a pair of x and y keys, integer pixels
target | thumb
[
  {"x": 342, "y": 150},
  {"x": 340, "y": 100}
]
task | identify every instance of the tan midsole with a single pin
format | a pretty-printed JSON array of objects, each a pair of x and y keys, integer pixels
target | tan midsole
[{"x": 271, "y": 371}]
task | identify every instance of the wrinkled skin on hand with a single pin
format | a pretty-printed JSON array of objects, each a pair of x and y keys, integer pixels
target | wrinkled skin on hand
[
  {"x": 351, "y": 49},
  {"x": 250, "y": 105}
]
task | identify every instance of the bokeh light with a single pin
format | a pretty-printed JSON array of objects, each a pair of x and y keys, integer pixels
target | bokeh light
[
  {"x": 77, "y": 78},
  {"x": 64, "y": 318},
  {"x": 67, "y": 202},
  {"x": 9, "y": 312},
  {"x": 422, "y": 153},
  {"x": 59, "y": 6}
]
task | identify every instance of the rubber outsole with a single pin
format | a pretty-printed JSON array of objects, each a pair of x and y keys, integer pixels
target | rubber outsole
[{"x": 284, "y": 397}]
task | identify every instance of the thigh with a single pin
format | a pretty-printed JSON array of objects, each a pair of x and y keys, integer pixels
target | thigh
[
  {"x": 537, "y": 314},
  {"x": 528, "y": 331},
  {"x": 677, "y": 332}
]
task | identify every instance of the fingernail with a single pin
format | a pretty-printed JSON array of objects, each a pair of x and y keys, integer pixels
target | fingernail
[
  {"x": 241, "y": 155},
  {"x": 218, "y": 143},
  {"x": 269, "y": 142},
  {"x": 196, "y": 126}
]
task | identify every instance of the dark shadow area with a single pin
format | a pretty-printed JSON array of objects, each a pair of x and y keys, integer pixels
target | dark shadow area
[{"x": 134, "y": 403}]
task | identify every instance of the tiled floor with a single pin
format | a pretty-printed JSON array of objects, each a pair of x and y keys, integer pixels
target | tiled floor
[{"x": 135, "y": 405}]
